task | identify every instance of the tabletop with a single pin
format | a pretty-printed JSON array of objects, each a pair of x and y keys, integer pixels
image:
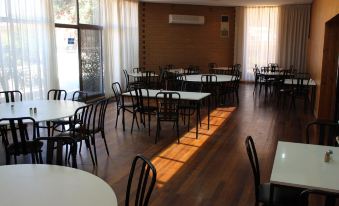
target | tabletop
[
  {"x": 140, "y": 74},
  {"x": 223, "y": 68},
  {"x": 41, "y": 185},
  {"x": 192, "y": 96},
  {"x": 303, "y": 166},
  {"x": 46, "y": 109},
  {"x": 178, "y": 71},
  {"x": 311, "y": 82},
  {"x": 197, "y": 78}
]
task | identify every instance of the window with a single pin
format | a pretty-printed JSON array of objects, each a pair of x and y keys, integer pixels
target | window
[{"x": 79, "y": 51}]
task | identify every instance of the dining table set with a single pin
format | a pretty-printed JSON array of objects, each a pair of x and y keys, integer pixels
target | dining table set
[{"x": 53, "y": 184}]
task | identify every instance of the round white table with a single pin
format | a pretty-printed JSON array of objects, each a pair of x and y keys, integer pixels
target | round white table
[
  {"x": 197, "y": 78},
  {"x": 51, "y": 185},
  {"x": 46, "y": 109}
]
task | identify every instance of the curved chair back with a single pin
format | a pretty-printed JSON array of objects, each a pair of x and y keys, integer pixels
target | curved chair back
[
  {"x": 117, "y": 93},
  {"x": 252, "y": 156},
  {"x": 11, "y": 96},
  {"x": 56, "y": 94},
  {"x": 144, "y": 187},
  {"x": 99, "y": 115},
  {"x": 80, "y": 96},
  {"x": 326, "y": 131},
  {"x": 57, "y": 150}
]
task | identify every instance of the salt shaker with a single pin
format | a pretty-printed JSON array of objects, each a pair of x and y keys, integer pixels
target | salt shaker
[
  {"x": 31, "y": 111},
  {"x": 35, "y": 110},
  {"x": 327, "y": 156}
]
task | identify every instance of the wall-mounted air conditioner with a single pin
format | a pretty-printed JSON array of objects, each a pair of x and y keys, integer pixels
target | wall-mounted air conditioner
[{"x": 185, "y": 19}]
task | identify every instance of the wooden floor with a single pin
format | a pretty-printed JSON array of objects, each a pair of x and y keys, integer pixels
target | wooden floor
[{"x": 213, "y": 170}]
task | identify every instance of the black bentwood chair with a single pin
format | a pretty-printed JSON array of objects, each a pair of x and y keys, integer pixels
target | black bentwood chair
[
  {"x": 120, "y": 104},
  {"x": 20, "y": 142},
  {"x": 167, "y": 110},
  {"x": 144, "y": 187},
  {"x": 11, "y": 96},
  {"x": 281, "y": 197}
]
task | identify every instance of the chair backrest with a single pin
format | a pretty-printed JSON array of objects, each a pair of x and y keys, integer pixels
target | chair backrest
[
  {"x": 82, "y": 120},
  {"x": 300, "y": 82},
  {"x": 57, "y": 150},
  {"x": 148, "y": 77},
  {"x": 168, "y": 104},
  {"x": 11, "y": 96},
  {"x": 144, "y": 187},
  {"x": 330, "y": 198},
  {"x": 192, "y": 69},
  {"x": 19, "y": 133},
  {"x": 211, "y": 65},
  {"x": 264, "y": 69},
  {"x": 209, "y": 78},
  {"x": 56, "y": 94},
  {"x": 252, "y": 156},
  {"x": 138, "y": 69},
  {"x": 140, "y": 98},
  {"x": 80, "y": 96},
  {"x": 117, "y": 93},
  {"x": 325, "y": 132},
  {"x": 99, "y": 114}
]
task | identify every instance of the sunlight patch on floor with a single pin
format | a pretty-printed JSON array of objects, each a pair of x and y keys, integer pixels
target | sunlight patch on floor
[{"x": 169, "y": 161}]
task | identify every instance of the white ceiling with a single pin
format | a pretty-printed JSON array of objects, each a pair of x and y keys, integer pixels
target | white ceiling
[{"x": 232, "y": 2}]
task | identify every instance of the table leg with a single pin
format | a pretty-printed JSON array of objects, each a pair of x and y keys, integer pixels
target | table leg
[
  {"x": 208, "y": 112},
  {"x": 197, "y": 118},
  {"x": 123, "y": 119},
  {"x": 270, "y": 201}
]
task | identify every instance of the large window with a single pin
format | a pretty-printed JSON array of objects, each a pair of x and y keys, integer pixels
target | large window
[{"x": 78, "y": 37}]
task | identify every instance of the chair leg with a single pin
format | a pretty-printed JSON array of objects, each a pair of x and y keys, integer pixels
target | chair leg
[
  {"x": 134, "y": 117},
  {"x": 116, "y": 119},
  {"x": 177, "y": 123},
  {"x": 149, "y": 124},
  {"x": 88, "y": 145},
  {"x": 95, "y": 149},
  {"x": 157, "y": 132},
  {"x": 104, "y": 137}
]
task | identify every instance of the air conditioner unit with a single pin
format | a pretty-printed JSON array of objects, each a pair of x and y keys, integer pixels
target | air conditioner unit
[{"x": 185, "y": 19}]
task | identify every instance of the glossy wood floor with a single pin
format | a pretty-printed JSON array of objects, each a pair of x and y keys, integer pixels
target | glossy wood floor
[{"x": 213, "y": 170}]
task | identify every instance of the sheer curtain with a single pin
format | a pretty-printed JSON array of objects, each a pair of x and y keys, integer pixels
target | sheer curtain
[
  {"x": 27, "y": 47},
  {"x": 260, "y": 38},
  {"x": 120, "y": 40}
]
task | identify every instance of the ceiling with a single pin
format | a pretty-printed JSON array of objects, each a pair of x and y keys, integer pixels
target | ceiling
[{"x": 232, "y": 2}]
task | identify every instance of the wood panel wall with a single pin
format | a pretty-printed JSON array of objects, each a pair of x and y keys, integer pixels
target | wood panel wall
[{"x": 162, "y": 43}]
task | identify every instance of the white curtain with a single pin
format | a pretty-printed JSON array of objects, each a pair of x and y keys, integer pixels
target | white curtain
[
  {"x": 258, "y": 46},
  {"x": 27, "y": 47},
  {"x": 120, "y": 40},
  {"x": 293, "y": 34}
]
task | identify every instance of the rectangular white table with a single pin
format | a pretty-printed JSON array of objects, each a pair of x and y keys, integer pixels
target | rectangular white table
[
  {"x": 139, "y": 74},
  {"x": 303, "y": 166},
  {"x": 311, "y": 83},
  {"x": 189, "y": 96}
]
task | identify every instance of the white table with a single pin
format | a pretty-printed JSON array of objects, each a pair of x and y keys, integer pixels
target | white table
[
  {"x": 190, "y": 96},
  {"x": 197, "y": 78},
  {"x": 178, "y": 71},
  {"x": 140, "y": 74},
  {"x": 51, "y": 185},
  {"x": 311, "y": 82},
  {"x": 303, "y": 166},
  {"x": 47, "y": 110}
]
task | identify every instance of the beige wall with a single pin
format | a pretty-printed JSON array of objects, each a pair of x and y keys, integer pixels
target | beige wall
[
  {"x": 322, "y": 11},
  {"x": 162, "y": 43}
]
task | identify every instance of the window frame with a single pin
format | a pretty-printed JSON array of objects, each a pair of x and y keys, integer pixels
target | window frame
[{"x": 78, "y": 26}]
